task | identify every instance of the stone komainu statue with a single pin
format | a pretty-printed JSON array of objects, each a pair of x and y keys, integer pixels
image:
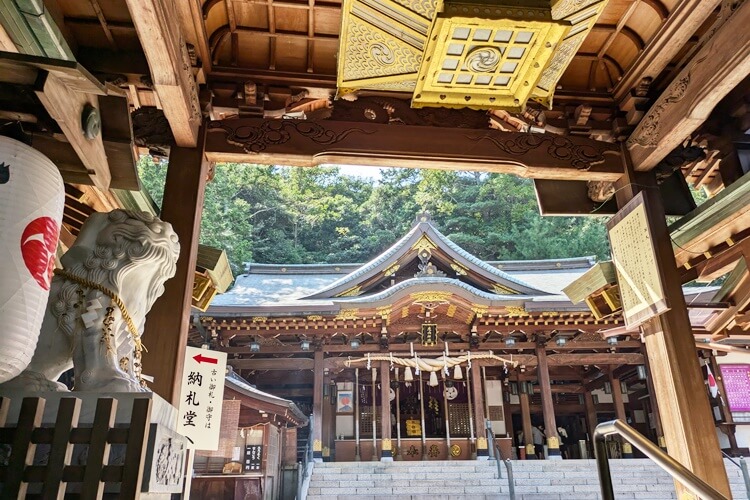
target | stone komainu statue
[{"x": 111, "y": 276}]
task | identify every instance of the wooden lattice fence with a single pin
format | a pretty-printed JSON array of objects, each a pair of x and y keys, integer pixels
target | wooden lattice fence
[{"x": 21, "y": 476}]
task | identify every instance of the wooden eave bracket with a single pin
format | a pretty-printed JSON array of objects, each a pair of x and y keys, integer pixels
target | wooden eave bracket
[
  {"x": 64, "y": 88},
  {"x": 721, "y": 64}
]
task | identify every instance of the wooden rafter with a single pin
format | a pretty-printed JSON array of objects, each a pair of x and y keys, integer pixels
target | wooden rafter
[
  {"x": 681, "y": 24},
  {"x": 103, "y": 21},
  {"x": 621, "y": 27},
  {"x": 311, "y": 34},
  {"x": 272, "y": 40}
]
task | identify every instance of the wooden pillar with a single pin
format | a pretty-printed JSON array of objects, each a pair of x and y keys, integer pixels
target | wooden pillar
[
  {"x": 357, "y": 448},
  {"x": 654, "y": 406},
  {"x": 317, "y": 430},
  {"x": 386, "y": 453},
  {"x": 475, "y": 379},
  {"x": 327, "y": 433},
  {"x": 528, "y": 437},
  {"x": 614, "y": 382},
  {"x": 591, "y": 419},
  {"x": 166, "y": 328},
  {"x": 677, "y": 379},
  {"x": 548, "y": 406}
]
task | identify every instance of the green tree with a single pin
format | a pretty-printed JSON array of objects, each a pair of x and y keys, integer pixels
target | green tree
[{"x": 277, "y": 214}]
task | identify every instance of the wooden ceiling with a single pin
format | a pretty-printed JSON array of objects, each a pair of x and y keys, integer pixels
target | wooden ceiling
[{"x": 301, "y": 37}]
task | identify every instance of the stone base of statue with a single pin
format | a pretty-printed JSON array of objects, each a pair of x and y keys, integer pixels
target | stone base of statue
[{"x": 163, "y": 461}]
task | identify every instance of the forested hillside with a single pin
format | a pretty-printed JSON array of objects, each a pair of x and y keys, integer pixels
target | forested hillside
[{"x": 272, "y": 214}]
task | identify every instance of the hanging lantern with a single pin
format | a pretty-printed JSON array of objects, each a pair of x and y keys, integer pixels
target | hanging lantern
[
  {"x": 457, "y": 374},
  {"x": 433, "y": 379},
  {"x": 408, "y": 377},
  {"x": 32, "y": 197}
]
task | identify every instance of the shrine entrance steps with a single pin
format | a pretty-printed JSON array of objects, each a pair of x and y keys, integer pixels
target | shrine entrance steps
[{"x": 534, "y": 479}]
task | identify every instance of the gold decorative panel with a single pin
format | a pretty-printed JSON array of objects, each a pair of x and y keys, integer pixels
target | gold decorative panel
[
  {"x": 453, "y": 54},
  {"x": 485, "y": 63},
  {"x": 382, "y": 43}
]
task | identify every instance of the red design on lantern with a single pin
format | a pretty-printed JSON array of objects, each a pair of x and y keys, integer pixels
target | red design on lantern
[{"x": 38, "y": 245}]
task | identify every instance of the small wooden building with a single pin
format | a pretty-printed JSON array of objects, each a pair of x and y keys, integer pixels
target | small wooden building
[{"x": 257, "y": 446}]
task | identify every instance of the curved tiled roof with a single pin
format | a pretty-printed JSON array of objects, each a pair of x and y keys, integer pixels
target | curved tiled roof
[{"x": 400, "y": 247}]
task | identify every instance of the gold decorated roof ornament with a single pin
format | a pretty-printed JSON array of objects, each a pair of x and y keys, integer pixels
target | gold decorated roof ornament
[
  {"x": 462, "y": 53},
  {"x": 352, "y": 292}
]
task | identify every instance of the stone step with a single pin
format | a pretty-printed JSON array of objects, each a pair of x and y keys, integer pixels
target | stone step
[{"x": 452, "y": 480}]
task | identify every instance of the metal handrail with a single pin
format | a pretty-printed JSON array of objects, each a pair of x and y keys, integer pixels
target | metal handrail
[
  {"x": 669, "y": 464},
  {"x": 302, "y": 467},
  {"x": 743, "y": 467},
  {"x": 506, "y": 461}
]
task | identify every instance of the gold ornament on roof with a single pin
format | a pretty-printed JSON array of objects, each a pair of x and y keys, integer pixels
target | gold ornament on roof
[
  {"x": 259, "y": 319},
  {"x": 314, "y": 317},
  {"x": 391, "y": 270},
  {"x": 460, "y": 270},
  {"x": 479, "y": 309},
  {"x": 503, "y": 290},
  {"x": 348, "y": 314},
  {"x": 516, "y": 311},
  {"x": 384, "y": 311},
  {"x": 451, "y": 310},
  {"x": 431, "y": 298},
  {"x": 424, "y": 243},
  {"x": 352, "y": 292}
]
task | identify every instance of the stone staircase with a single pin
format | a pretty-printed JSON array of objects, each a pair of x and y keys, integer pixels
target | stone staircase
[{"x": 543, "y": 479}]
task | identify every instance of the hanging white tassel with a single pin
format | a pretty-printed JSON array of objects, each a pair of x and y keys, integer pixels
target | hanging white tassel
[
  {"x": 408, "y": 377},
  {"x": 433, "y": 379},
  {"x": 368, "y": 361},
  {"x": 391, "y": 356},
  {"x": 457, "y": 374}
]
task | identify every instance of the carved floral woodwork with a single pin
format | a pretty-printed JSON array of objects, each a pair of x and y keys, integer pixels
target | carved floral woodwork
[
  {"x": 309, "y": 143},
  {"x": 254, "y": 139}
]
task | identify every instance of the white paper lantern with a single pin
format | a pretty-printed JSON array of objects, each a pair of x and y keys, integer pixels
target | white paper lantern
[{"x": 32, "y": 197}]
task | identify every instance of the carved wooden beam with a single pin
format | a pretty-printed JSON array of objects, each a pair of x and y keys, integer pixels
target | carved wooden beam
[
  {"x": 310, "y": 143},
  {"x": 158, "y": 26},
  {"x": 722, "y": 63}
]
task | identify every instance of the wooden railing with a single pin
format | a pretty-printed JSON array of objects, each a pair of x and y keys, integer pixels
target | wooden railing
[{"x": 52, "y": 476}]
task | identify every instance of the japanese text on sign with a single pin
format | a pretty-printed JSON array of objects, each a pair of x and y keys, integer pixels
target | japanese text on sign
[
  {"x": 201, "y": 397},
  {"x": 253, "y": 457},
  {"x": 737, "y": 386}
]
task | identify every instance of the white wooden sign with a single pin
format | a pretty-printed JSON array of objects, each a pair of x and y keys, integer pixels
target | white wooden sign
[{"x": 201, "y": 398}]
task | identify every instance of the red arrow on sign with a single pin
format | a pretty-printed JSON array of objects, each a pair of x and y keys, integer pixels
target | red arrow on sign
[{"x": 201, "y": 358}]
